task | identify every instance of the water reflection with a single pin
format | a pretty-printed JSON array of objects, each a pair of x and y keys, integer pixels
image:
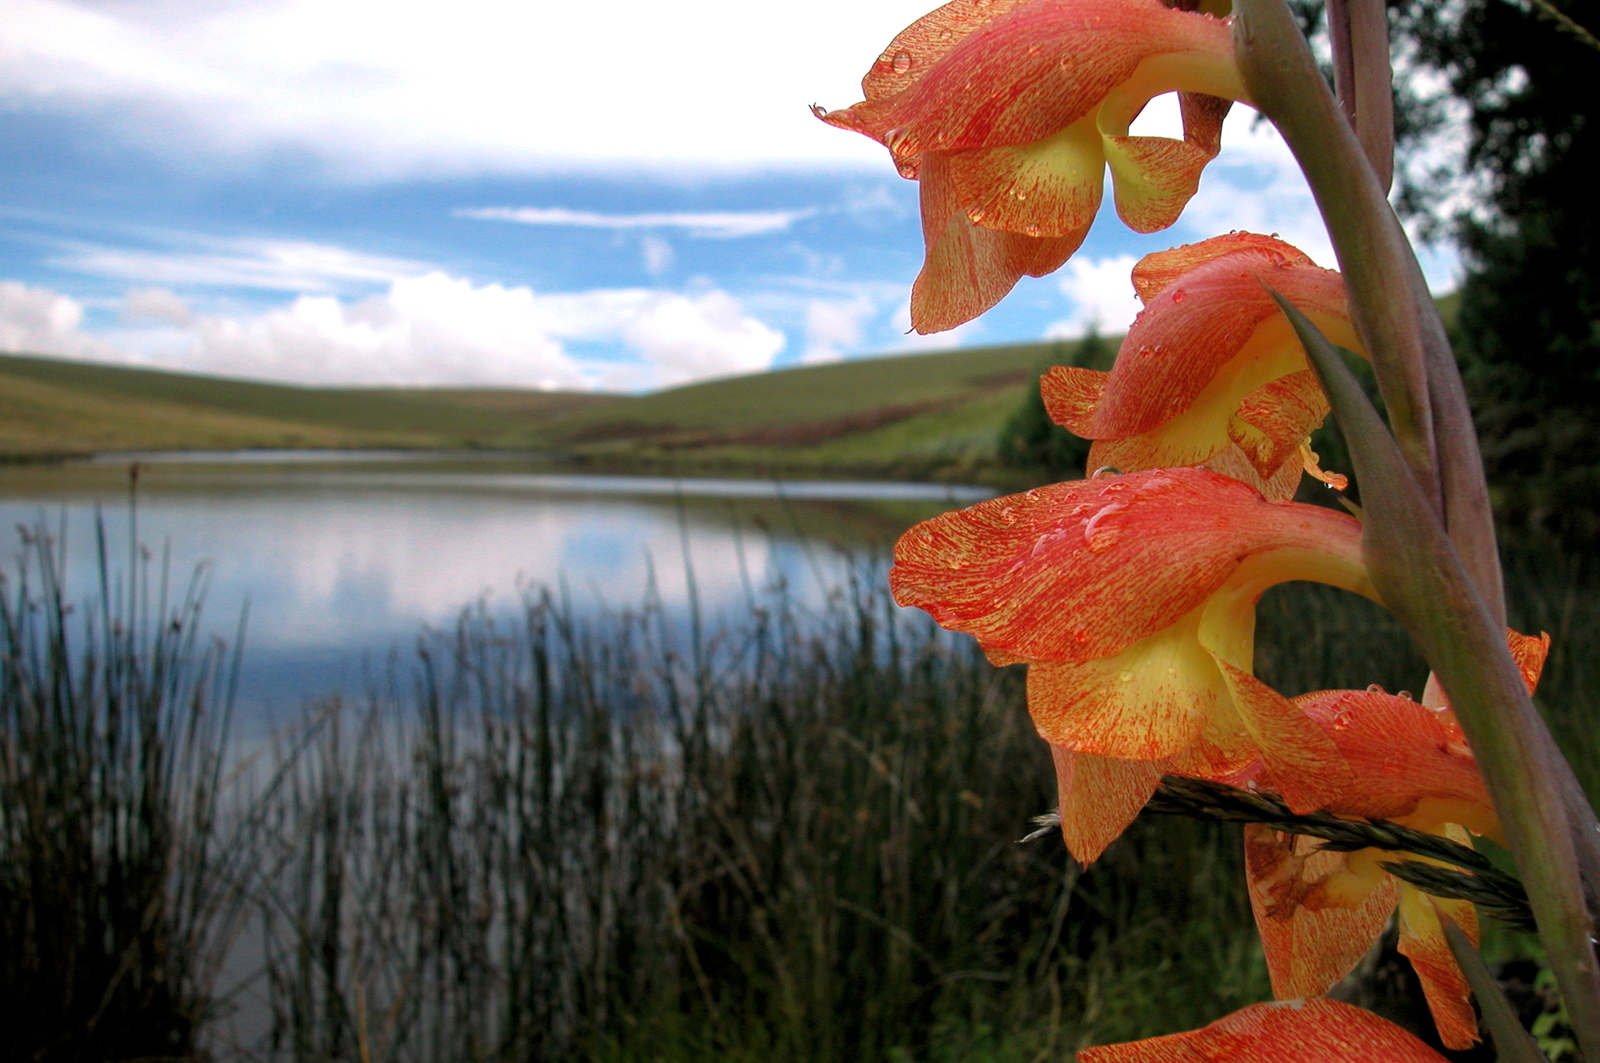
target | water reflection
[{"x": 343, "y": 556}]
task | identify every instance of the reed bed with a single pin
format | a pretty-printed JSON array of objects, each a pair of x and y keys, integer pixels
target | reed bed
[
  {"x": 117, "y": 886},
  {"x": 565, "y": 835}
]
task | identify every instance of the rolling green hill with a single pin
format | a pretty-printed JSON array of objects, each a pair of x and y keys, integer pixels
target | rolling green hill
[{"x": 909, "y": 415}]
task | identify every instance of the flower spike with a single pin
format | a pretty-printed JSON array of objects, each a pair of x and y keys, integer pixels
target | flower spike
[{"x": 1008, "y": 113}]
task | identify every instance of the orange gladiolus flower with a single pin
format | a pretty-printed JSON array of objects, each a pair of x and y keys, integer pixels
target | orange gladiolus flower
[
  {"x": 1211, "y": 372},
  {"x": 1132, "y": 598},
  {"x": 1319, "y": 911},
  {"x": 1008, "y": 111},
  {"x": 1294, "y": 1031}
]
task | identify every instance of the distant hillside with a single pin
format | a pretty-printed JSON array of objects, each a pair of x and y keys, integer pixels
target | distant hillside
[
  {"x": 55, "y": 406},
  {"x": 921, "y": 414}
]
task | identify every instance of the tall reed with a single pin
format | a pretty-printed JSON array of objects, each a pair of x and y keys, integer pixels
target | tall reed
[
  {"x": 614, "y": 838},
  {"x": 115, "y": 894}
]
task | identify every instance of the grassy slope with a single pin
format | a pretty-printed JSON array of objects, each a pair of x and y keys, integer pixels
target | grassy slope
[
  {"x": 911, "y": 414},
  {"x": 52, "y": 406}
]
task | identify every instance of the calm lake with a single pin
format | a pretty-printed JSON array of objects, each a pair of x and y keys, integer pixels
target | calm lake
[{"x": 342, "y": 557}]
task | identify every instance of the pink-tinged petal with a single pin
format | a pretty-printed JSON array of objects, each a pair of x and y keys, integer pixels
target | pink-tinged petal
[
  {"x": 1099, "y": 797},
  {"x": 921, "y": 45},
  {"x": 1304, "y": 764},
  {"x": 1083, "y": 570},
  {"x": 1159, "y": 269},
  {"x": 969, "y": 268},
  {"x": 1148, "y": 702},
  {"x": 1218, "y": 315},
  {"x": 1422, "y": 941},
  {"x": 1408, "y": 763},
  {"x": 1296, "y": 1031},
  {"x": 1231, "y": 461},
  {"x": 1048, "y": 188},
  {"x": 1317, "y": 915},
  {"x": 1530, "y": 652},
  {"x": 1154, "y": 178},
  {"x": 1023, "y": 74},
  {"x": 1272, "y": 422}
]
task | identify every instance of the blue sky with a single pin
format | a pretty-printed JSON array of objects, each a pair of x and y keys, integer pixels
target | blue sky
[{"x": 617, "y": 196}]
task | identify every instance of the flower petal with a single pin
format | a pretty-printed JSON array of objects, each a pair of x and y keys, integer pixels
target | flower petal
[
  {"x": 969, "y": 268},
  {"x": 1422, "y": 941},
  {"x": 1305, "y": 765},
  {"x": 1273, "y": 421},
  {"x": 1296, "y": 1031},
  {"x": 1083, "y": 570},
  {"x": 1407, "y": 763},
  {"x": 1317, "y": 915},
  {"x": 1153, "y": 178},
  {"x": 1148, "y": 702},
  {"x": 1159, "y": 269},
  {"x": 1099, "y": 797},
  {"x": 1021, "y": 74},
  {"x": 1051, "y": 187}
]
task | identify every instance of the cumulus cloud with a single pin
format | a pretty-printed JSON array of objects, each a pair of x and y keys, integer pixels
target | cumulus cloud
[
  {"x": 40, "y": 321},
  {"x": 707, "y": 224},
  {"x": 1101, "y": 294},
  {"x": 834, "y": 328},
  {"x": 386, "y": 88},
  {"x": 431, "y": 329},
  {"x": 694, "y": 337}
]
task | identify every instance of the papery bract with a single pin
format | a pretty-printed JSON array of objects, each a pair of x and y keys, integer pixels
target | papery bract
[
  {"x": 1132, "y": 599},
  {"x": 1008, "y": 111},
  {"x": 1294, "y": 1031},
  {"x": 1211, "y": 372}
]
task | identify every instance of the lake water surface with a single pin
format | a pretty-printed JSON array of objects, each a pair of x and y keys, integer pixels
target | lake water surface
[{"x": 342, "y": 557}]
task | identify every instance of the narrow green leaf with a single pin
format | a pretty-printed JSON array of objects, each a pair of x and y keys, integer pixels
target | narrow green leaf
[{"x": 1512, "y": 1044}]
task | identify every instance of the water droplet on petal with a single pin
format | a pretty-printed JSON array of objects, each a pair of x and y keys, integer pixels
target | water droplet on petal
[
  {"x": 1080, "y": 635},
  {"x": 1125, "y": 677},
  {"x": 1404, "y": 694},
  {"x": 945, "y": 35},
  {"x": 1105, "y": 472},
  {"x": 1375, "y": 689},
  {"x": 1030, "y": 230},
  {"x": 1179, "y": 295},
  {"x": 975, "y": 216},
  {"x": 902, "y": 63}
]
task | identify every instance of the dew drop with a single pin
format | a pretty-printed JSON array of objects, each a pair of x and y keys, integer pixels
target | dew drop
[
  {"x": 1105, "y": 472},
  {"x": 945, "y": 35},
  {"x": 1179, "y": 295},
  {"x": 1404, "y": 694},
  {"x": 1080, "y": 635},
  {"x": 1125, "y": 677},
  {"x": 1030, "y": 230},
  {"x": 975, "y": 216},
  {"x": 902, "y": 63},
  {"x": 1375, "y": 689}
]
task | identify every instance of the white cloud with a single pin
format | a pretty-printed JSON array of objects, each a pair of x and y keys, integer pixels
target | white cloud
[
  {"x": 430, "y": 329},
  {"x": 40, "y": 321},
  {"x": 270, "y": 265},
  {"x": 1101, "y": 294},
  {"x": 706, "y": 335},
  {"x": 657, "y": 254},
  {"x": 155, "y": 304},
  {"x": 710, "y": 224},
  {"x": 834, "y": 328},
  {"x": 402, "y": 86}
]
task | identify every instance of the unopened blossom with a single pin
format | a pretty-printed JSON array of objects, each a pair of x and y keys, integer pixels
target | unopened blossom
[{"x": 1007, "y": 112}]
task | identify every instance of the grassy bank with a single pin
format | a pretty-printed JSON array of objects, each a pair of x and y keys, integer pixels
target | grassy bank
[
  {"x": 616, "y": 837},
  {"x": 936, "y": 414}
]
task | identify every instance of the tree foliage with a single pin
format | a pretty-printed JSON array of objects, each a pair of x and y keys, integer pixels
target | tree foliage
[
  {"x": 1528, "y": 327},
  {"x": 1030, "y": 440}
]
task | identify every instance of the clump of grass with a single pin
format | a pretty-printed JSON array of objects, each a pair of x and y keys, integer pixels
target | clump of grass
[
  {"x": 115, "y": 895},
  {"x": 616, "y": 839}
]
